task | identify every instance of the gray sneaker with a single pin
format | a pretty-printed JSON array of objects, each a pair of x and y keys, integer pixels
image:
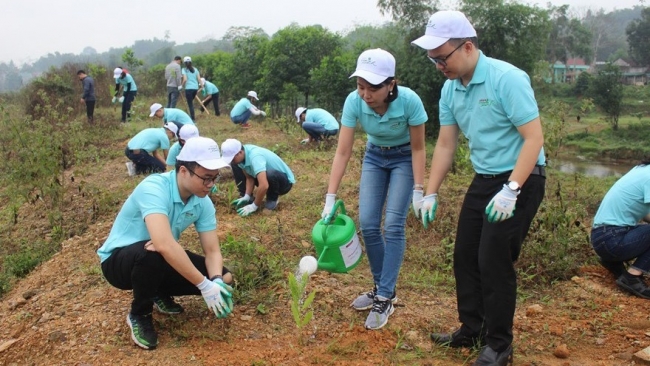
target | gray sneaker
[
  {"x": 382, "y": 308},
  {"x": 271, "y": 205},
  {"x": 365, "y": 301}
]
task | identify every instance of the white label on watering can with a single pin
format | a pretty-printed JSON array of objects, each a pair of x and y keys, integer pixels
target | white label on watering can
[{"x": 351, "y": 252}]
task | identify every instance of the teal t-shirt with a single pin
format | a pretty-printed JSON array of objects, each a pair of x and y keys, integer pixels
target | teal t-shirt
[
  {"x": 497, "y": 100},
  {"x": 322, "y": 117},
  {"x": 150, "y": 139},
  {"x": 628, "y": 201},
  {"x": 242, "y": 106},
  {"x": 176, "y": 115},
  {"x": 259, "y": 159},
  {"x": 209, "y": 88},
  {"x": 391, "y": 129},
  {"x": 192, "y": 82},
  {"x": 157, "y": 194},
  {"x": 124, "y": 81},
  {"x": 173, "y": 153}
]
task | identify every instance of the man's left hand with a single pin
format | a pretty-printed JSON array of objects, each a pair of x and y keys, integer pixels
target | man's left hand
[
  {"x": 502, "y": 205},
  {"x": 247, "y": 210}
]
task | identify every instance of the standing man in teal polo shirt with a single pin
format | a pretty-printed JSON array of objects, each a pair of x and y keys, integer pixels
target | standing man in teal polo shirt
[
  {"x": 142, "y": 252},
  {"x": 211, "y": 94},
  {"x": 124, "y": 81},
  {"x": 143, "y": 148},
  {"x": 493, "y": 104},
  {"x": 317, "y": 122},
  {"x": 244, "y": 109},
  {"x": 170, "y": 114},
  {"x": 256, "y": 166}
]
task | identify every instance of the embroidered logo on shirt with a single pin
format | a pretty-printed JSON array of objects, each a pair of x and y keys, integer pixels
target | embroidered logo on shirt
[
  {"x": 396, "y": 126},
  {"x": 189, "y": 214},
  {"x": 485, "y": 102}
]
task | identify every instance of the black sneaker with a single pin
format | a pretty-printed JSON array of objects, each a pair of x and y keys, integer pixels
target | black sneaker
[
  {"x": 142, "y": 331},
  {"x": 489, "y": 357},
  {"x": 457, "y": 339},
  {"x": 634, "y": 285},
  {"x": 167, "y": 305}
]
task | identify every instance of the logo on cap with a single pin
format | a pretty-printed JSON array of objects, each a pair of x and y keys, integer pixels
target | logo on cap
[{"x": 368, "y": 61}]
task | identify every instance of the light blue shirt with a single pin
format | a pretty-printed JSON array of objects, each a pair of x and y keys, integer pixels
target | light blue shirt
[
  {"x": 150, "y": 139},
  {"x": 177, "y": 115},
  {"x": 157, "y": 194},
  {"x": 322, "y": 117},
  {"x": 242, "y": 106},
  {"x": 259, "y": 159},
  {"x": 209, "y": 88},
  {"x": 173, "y": 153},
  {"x": 488, "y": 110},
  {"x": 391, "y": 129},
  {"x": 124, "y": 81},
  {"x": 192, "y": 82},
  {"x": 628, "y": 201}
]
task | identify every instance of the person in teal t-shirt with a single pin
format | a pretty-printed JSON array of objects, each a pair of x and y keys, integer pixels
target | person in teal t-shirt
[
  {"x": 185, "y": 132},
  {"x": 170, "y": 114},
  {"x": 620, "y": 232},
  {"x": 125, "y": 82},
  {"x": 317, "y": 122},
  {"x": 191, "y": 82},
  {"x": 244, "y": 109},
  {"x": 143, "y": 148},
  {"x": 211, "y": 94},
  {"x": 143, "y": 253},
  {"x": 392, "y": 173}
]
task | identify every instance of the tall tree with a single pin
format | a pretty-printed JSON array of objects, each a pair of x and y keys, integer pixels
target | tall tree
[
  {"x": 412, "y": 13},
  {"x": 607, "y": 93},
  {"x": 638, "y": 38},
  {"x": 568, "y": 37}
]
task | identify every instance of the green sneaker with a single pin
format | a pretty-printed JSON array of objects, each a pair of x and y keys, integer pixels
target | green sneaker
[
  {"x": 142, "y": 331},
  {"x": 167, "y": 305}
]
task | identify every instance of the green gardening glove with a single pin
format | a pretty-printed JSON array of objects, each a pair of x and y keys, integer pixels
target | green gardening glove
[{"x": 242, "y": 201}]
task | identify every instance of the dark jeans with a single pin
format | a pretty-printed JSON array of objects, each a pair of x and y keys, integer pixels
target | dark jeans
[
  {"x": 623, "y": 243},
  {"x": 278, "y": 182},
  {"x": 90, "y": 110},
  {"x": 189, "y": 95},
  {"x": 486, "y": 282},
  {"x": 172, "y": 96},
  {"x": 145, "y": 163},
  {"x": 214, "y": 98},
  {"x": 149, "y": 275},
  {"x": 126, "y": 104}
]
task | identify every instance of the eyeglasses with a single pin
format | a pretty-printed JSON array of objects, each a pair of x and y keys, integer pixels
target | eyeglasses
[
  {"x": 206, "y": 180},
  {"x": 443, "y": 60}
]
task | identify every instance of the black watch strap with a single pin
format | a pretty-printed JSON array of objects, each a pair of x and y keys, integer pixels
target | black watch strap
[{"x": 215, "y": 277}]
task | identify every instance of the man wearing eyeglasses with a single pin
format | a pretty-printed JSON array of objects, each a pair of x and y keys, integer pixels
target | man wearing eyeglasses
[
  {"x": 493, "y": 104},
  {"x": 142, "y": 252}
]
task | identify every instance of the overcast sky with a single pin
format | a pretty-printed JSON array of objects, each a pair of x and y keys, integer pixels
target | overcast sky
[{"x": 34, "y": 28}]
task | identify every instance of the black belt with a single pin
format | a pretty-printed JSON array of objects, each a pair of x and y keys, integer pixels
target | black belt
[
  {"x": 389, "y": 147},
  {"x": 537, "y": 170}
]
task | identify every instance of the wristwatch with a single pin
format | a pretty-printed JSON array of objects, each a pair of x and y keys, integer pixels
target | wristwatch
[{"x": 514, "y": 186}]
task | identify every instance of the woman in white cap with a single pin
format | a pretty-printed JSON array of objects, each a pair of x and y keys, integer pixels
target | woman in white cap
[
  {"x": 211, "y": 94},
  {"x": 143, "y": 148},
  {"x": 392, "y": 173},
  {"x": 125, "y": 81},
  {"x": 244, "y": 109},
  {"x": 191, "y": 82}
]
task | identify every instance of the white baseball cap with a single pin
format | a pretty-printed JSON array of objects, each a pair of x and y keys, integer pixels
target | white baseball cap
[
  {"x": 442, "y": 26},
  {"x": 154, "y": 108},
  {"x": 204, "y": 151},
  {"x": 187, "y": 132},
  {"x": 229, "y": 149},
  {"x": 117, "y": 72},
  {"x": 172, "y": 127},
  {"x": 187, "y": 59},
  {"x": 202, "y": 81},
  {"x": 300, "y": 111},
  {"x": 375, "y": 66},
  {"x": 253, "y": 94}
]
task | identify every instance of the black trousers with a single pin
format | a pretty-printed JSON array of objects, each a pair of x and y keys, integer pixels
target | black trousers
[
  {"x": 278, "y": 182},
  {"x": 149, "y": 275},
  {"x": 484, "y": 253},
  {"x": 189, "y": 96},
  {"x": 214, "y": 98},
  {"x": 90, "y": 110},
  {"x": 126, "y": 103}
]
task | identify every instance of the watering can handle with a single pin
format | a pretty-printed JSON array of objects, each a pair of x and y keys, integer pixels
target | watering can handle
[{"x": 332, "y": 215}]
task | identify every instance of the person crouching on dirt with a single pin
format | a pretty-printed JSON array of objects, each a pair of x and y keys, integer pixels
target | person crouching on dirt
[
  {"x": 185, "y": 132},
  {"x": 142, "y": 252},
  {"x": 143, "y": 148},
  {"x": 211, "y": 94},
  {"x": 617, "y": 235},
  {"x": 125, "y": 81},
  {"x": 244, "y": 109},
  {"x": 256, "y": 166},
  {"x": 317, "y": 122},
  {"x": 170, "y": 114}
]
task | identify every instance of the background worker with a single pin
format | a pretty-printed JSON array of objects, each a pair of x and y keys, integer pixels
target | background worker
[
  {"x": 191, "y": 82},
  {"x": 211, "y": 94},
  {"x": 170, "y": 114},
  {"x": 244, "y": 109},
  {"x": 88, "y": 96},
  {"x": 185, "y": 132},
  {"x": 174, "y": 78},
  {"x": 317, "y": 122},
  {"x": 143, "y": 148},
  {"x": 125, "y": 82}
]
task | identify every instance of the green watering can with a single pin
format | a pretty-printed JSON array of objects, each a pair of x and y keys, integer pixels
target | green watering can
[{"x": 336, "y": 241}]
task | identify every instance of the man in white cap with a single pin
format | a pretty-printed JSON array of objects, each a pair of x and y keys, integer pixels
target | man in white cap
[
  {"x": 317, "y": 122},
  {"x": 244, "y": 109},
  {"x": 493, "y": 104},
  {"x": 125, "y": 81},
  {"x": 256, "y": 166},
  {"x": 185, "y": 132},
  {"x": 144, "y": 148},
  {"x": 142, "y": 252},
  {"x": 170, "y": 114}
]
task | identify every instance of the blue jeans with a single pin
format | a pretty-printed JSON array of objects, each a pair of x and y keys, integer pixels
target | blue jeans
[
  {"x": 623, "y": 243},
  {"x": 242, "y": 118},
  {"x": 172, "y": 96},
  {"x": 386, "y": 178},
  {"x": 317, "y": 131}
]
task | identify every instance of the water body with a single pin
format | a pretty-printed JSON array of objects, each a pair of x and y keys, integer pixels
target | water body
[{"x": 594, "y": 168}]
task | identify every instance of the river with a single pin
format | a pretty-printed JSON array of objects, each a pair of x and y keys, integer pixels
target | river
[{"x": 579, "y": 164}]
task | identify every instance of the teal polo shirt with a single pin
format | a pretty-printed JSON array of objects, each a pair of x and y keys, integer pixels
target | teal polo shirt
[
  {"x": 150, "y": 139},
  {"x": 192, "y": 83},
  {"x": 322, "y": 117},
  {"x": 124, "y": 81},
  {"x": 259, "y": 159},
  {"x": 176, "y": 115},
  {"x": 497, "y": 100},
  {"x": 173, "y": 153},
  {"x": 628, "y": 201},
  {"x": 157, "y": 194},
  {"x": 391, "y": 129},
  {"x": 209, "y": 88},
  {"x": 242, "y": 106}
]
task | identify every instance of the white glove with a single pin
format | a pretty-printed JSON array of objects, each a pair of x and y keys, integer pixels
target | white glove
[
  {"x": 417, "y": 201},
  {"x": 330, "y": 199},
  {"x": 502, "y": 205},
  {"x": 247, "y": 210},
  {"x": 304, "y": 141},
  {"x": 214, "y": 299},
  {"x": 121, "y": 99},
  {"x": 180, "y": 87},
  {"x": 263, "y": 113},
  {"x": 114, "y": 100}
]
